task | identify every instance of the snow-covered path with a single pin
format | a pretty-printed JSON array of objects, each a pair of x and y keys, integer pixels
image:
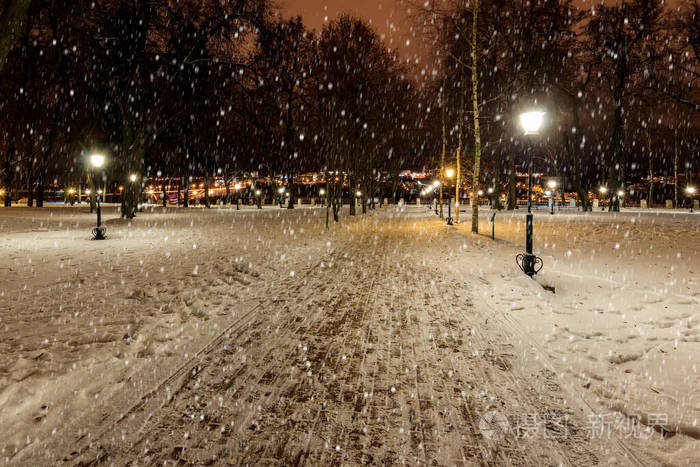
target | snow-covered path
[{"x": 257, "y": 337}]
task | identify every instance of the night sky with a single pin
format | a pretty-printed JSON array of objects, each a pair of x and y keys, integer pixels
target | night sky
[{"x": 389, "y": 17}]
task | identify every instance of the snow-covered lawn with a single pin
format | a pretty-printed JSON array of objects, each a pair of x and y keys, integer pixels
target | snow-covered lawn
[{"x": 215, "y": 336}]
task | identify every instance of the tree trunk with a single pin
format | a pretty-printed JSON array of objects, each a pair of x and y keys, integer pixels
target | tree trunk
[
  {"x": 8, "y": 169},
  {"x": 353, "y": 194},
  {"x": 30, "y": 188},
  {"x": 512, "y": 195},
  {"x": 291, "y": 188},
  {"x": 675, "y": 169},
  {"x": 475, "y": 110},
  {"x": 134, "y": 154},
  {"x": 186, "y": 198},
  {"x": 444, "y": 146},
  {"x": 616, "y": 175},
  {"x": 458, "y": 175}
]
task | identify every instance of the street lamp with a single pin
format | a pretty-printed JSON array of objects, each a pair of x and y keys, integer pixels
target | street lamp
[
  {"x": 552, "y": 184},
  {"x": 620, "y": 195},
  {"x": 322, "y": 195},
  {"x": 436, "y": 184},
  {"x": 237, "y": 187},
  {"x": 603, "y": 190},
  {"x": 98, "y": 233},
  {"x": 690, "y": 190},
  {"x": 530, "y": 264},
  {"x": 258, "y": 198},
  {"x": 449, "y": 173}
]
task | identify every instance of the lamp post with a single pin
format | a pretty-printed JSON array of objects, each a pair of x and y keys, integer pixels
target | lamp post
[
  {"x": 237, "y": 187},
  {"x": 690, "y": 190},
  {"x": 436, "y": 184},
  {"x": 258, "y": 194},
  {"x": 530, "y": 264},
  {"x": 552, "y": 184},
  {"x": 450, "y": 173},
  {"x": 620, "y": 196},
  {"x": 98, "y": 233},
  {"x": 280, "y": 191},
  {"x": 322, "y": 195},
  {"x": 603, "y": 190}
]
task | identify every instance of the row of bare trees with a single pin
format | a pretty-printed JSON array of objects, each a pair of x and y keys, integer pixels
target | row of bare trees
[
  {"x": 618, "y": 83},
  {"x": 204, "y": 89}
]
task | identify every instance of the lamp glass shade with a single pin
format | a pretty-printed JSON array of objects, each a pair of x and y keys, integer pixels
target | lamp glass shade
[
  {"x": 97, "y": 160},
  {"x": 531, "y": 122}
]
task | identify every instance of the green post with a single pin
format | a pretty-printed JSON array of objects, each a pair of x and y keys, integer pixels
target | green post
[{"x": 493, "y": 226}]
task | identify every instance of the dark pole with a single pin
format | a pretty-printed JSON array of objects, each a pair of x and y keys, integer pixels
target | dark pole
[
  {"x": 99, "y": 232},
  {"x": 528, "y": 232},
  {"x": 554, "y": 200},
  {"x": 449, "y": 210},
  {"x": 99, "y": 212}
]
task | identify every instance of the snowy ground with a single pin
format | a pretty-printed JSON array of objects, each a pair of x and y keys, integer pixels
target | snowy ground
[{"x": 232, "y": 337}]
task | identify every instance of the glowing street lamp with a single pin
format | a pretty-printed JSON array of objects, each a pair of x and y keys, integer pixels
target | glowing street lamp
[
  {"x": 98, "y": 233},
  {"x": 531, "y": 122},
  {"x": 603, "y": 190},
  {"x": 237, "y": 187},
  {"x": 258, "y": 199},
  {"x": 552, "y": 184},
  {"x": 449, "y": 173},
  {"x": 97, "y": 160},
  {"x": 322, "y": 195},
  {"x": 690, "y": 191}
]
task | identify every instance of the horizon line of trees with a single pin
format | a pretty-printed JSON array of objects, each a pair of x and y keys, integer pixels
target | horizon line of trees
[
  {"x": 225, "y": 88},
  {"x": 202, "y": 89}
]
